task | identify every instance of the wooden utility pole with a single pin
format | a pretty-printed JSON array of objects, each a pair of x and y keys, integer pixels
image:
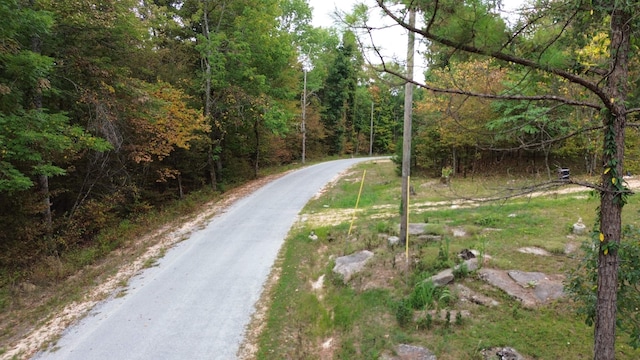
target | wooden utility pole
[
  {"x": 406, "y": 136},
  {"x": 371, "y": 132},
  {"x": 303, "y": 128}
]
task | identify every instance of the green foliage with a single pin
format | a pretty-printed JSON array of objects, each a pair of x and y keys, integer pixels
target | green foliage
[
  {"x": 582, "y": 283},
  {"x": 404, "y": 313}
]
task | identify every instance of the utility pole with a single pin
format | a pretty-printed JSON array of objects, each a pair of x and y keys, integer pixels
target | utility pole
[
  {"x": 303, "y": 128},
  {"x": 371, "y": 132},
  {"x": 406, "y": 136}
]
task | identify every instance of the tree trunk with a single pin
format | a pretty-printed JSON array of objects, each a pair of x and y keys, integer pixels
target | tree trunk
[
  {"x": 612, "y": 199},
  {"x": 43, "y": 180},
  {"x": 256, "y": 155}
]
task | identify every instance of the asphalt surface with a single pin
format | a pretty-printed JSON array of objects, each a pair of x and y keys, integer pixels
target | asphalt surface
[{"x": 197, "y": 302}]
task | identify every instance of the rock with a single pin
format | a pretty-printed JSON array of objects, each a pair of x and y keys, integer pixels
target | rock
[
  {"x": 416, "y": 229},
  {"x": 410, "y": 352},
  {"x": 458, "y": 232},
  {"x": 313, "y": 236},
  {"x": 467, "y": 294},
  {"x": 571, "y": 247},
  {"x": 466, "y": 254},
  {"x": 501, "y": 280},
  {"x": 579, "y": 228},
  {"x": 393, "y": 240},
  {"x": 349, "y": 265},
  {"x": 508, "y": 353},
  {"x": 446, "y": 276},
  {"x": 472, "y": 264},
  {"x": 318, "y": 284},
  {"x": 430, "y": 237},
  {"x": 534, "y": 251},
  {"x": 443, "y": 278},
  {"x": 548, "y": 290},
  {"x": 526, "y": 279},
  {"x": 441, "y": 315},
  {"x": 530, "y": 288}
]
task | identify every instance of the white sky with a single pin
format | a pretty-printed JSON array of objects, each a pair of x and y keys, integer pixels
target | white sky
[{"x": 392, "y": 41}]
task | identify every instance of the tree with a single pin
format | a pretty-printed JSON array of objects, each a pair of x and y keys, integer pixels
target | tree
[
  {"x": 338, "y": 95},
  {"x": 547, "y": 40}
]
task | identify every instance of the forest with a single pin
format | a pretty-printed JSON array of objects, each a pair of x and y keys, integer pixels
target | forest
[{"x": 112, "y": 108}]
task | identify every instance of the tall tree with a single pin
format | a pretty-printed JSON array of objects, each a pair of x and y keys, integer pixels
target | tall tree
[{"x": 338, "y": 95}]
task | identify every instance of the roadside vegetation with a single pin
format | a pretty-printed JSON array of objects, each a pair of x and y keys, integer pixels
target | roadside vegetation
[{"x": 316, "y": 315}]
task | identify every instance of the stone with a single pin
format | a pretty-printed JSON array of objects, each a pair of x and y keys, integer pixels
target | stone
[
  {"x": 416, "y": 229},
  {"x": 472, "y": 264},
  {"x": 441, "y": 315},
  {"x": 347, "y": 266},
  {"x": 534, "y": 251},
  {"x": 458, "y": 232},
  {"x": 428, "y": 238},
  {"x": 466, "y": 254},
  {"x": 443, "y": 278},
  {"x": 504, "y": 282},
  {"x": 571, "y": 247},
  {"x": 467, "y": 294},
  {"x": 313, "y": 236},
  {"x": 410, "y": 352},
  {"x": 579, "y": 228},
  {"x": 393, "y": 240},
  {"x": 508, "y": 353},
  {"x": 548, "y": 290},
  {"x": 526, "y": 279},
  {"x": 318, "y": 284}
]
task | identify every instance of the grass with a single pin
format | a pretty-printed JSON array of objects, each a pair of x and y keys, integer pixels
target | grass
[{"x": 368, "y": 316}]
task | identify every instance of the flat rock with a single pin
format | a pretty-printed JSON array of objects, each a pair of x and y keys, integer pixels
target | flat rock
[
  {"x": 349, "y": 265},
  {"x": 548, "y": 290},
  {"x": 429, "y": 237},
  {"x": 534, "y": 251},
  {"x": 467, "y": 294},
  {"x": 503, "y": 281},
  {"x": 526, "y": 279},
  {"x": 530, "y": 288},
  {"x": 410, "y": 352},
  {"x": 416, "y": 229},
  {"x": 458, "y": 232}
]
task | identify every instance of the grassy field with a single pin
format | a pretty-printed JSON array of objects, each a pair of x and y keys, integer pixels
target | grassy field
[{"x": 385, "y": 305}]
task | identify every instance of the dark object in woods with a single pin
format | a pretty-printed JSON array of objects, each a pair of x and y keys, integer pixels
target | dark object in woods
[{"x": 563, "y": 174}]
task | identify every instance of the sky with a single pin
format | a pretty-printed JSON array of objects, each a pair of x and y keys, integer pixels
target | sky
[{"x": 392, "y": 41}]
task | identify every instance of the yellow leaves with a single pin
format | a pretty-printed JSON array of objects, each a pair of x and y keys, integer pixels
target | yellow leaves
[
  {"x": 601, "y": 237},
  {"x": 614, "y": 181},
  {"x": 606, "y": 171},
  {"x": 596, "y": 51},
  {"x": 606, "y": 251},
  {"x": 163, "y": 122}
]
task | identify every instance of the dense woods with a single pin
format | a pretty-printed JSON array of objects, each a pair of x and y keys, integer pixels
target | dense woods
[{"x": 111, "y": 108}]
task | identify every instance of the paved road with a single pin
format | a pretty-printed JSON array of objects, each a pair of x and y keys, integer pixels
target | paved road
[{"x": 196, "y": 303}]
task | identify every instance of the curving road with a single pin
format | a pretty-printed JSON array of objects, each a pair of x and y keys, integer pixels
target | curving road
[{"x": 197, "y": 302}]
